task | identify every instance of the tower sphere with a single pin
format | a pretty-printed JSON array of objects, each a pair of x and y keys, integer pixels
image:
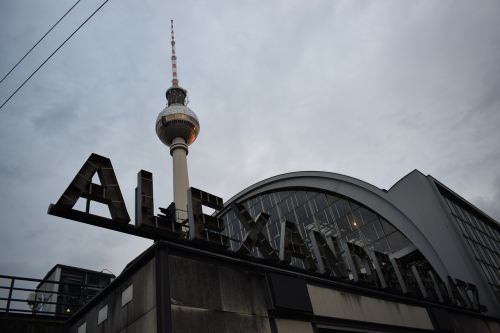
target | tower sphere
[{"x": 177, "y": 120}]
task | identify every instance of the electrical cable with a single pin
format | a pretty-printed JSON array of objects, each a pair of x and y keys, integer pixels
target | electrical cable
[
  {"x": 15, "y": 66},
  {"x": 50, "y": 56}
]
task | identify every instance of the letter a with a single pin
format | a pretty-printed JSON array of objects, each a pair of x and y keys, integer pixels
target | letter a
[{"x": 107, "y": 193}]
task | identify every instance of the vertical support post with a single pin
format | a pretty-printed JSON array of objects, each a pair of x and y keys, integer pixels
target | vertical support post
[
  {"x": 163, "y": 309},
  {"x": 420, "y": 283},
  {"x": 10, "y": 295},
  {"x": 144, "y": 204},
  {"x": 437, "y": 289},
  {"x": 399, "y": 276}
]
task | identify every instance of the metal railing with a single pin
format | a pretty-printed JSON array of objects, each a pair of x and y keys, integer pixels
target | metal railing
[{"x": 43, "y": 297}]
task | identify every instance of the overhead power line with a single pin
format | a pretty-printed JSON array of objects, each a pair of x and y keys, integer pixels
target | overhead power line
[
  {"x": 69, "y": 10},
  {"x": 55, "y": 51}
]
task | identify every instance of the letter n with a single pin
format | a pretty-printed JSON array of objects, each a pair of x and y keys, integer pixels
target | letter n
[{"x": 328, "y": 255}]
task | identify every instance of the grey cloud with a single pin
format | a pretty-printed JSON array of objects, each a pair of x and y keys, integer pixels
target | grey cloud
[
  {"x": 368, "y": 89},
  {"x": 491, "y": 203}
]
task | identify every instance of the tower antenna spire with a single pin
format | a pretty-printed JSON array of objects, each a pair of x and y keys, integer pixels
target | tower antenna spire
[{"x": 175, "y": 81}]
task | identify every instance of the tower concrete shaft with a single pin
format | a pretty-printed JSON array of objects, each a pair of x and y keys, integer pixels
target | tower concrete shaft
[{"x": 179, "y": 151}]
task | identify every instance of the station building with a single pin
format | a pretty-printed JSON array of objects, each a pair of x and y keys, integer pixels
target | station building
[{"x": 313, "y": 252}]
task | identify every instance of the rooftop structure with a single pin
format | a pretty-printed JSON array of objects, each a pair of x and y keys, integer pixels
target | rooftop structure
[
  {"x": 74, "y": 287},
  {"x": 43, "y": 305}
]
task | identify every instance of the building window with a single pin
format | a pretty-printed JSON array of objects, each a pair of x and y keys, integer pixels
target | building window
[
  {"x": 102, "y": 315},
  {"x": 342, "y": 218},
  {"x": 82, "y": 328},
  {"x": 127, "y": 295},
  {"x": 480, "y": 237}
]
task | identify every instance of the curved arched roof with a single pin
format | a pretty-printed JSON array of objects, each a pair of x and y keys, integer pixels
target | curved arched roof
[{"x": 355, "y": 189}]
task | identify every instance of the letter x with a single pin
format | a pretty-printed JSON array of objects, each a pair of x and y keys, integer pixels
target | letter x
[{"x": 254, "y": 236}]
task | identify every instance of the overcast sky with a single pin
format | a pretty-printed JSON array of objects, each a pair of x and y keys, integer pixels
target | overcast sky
[{"x": 370, "y": 89}]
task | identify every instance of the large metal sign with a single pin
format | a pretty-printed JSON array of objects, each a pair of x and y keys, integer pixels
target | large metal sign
[{"x": 333, "y": 258}]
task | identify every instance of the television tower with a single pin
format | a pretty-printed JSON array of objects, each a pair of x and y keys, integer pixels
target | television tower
[{"x": 177, "y": 126}]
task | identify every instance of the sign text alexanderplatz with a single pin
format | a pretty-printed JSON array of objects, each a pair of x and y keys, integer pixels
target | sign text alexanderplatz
[{"x": 324, "y": 254}]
